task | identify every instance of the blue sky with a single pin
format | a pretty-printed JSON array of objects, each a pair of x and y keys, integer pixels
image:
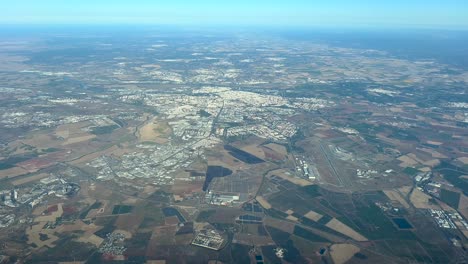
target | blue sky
[{"x": 425, "y": 13}]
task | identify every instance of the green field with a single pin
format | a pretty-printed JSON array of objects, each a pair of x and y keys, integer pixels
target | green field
[
  {"x": 122, "y": 209},
  {"x": 450, "y": 198}
]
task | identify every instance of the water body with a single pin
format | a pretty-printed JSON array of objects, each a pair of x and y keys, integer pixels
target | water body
[
  {"x": 213, "y": 172},
  {"x": 242, "y": 155},
  {"x": 170, "y": 211},
  {"x": 444, "y": 46},
  {"x": 402, "y": 223}
]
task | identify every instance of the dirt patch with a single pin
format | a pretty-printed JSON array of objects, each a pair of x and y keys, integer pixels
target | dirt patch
[
  {"x": 463, "y": 160},
  {"x": 154, "y": 131},
  {"x": 248, "y": 239},
  {"x": 91, "y": 238},
  {"x": 36, "y": 233},
  {"x": 129, "y": 222},
  {"x": 338, "y": 226},
  {"x": 280, "y": 149},
  {"x": 395, "y": 196},
  {"x": 283, "y": 173},
  {"x": 434, "y": 153},
  {"x": 12, "y": 172},
  {"x": 341, "y": 253},
  {"x": 420, "y": 200},
  {"x": 254, "y": 150},
  {"x": 263, "y": 202},
  {"x": 287, "y": 227},
  {"x": 407, "y": 161},
  {"x": 432, "y": 163},
  {"x": 314, "y": 216},
  {"x": 79, "y": 139},
  {"x": 30, "y": 179},
  {"x": 463, "y": 205}
]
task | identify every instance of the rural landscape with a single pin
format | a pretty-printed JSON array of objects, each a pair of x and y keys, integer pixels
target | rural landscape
[{"x": 155, "y": 146}]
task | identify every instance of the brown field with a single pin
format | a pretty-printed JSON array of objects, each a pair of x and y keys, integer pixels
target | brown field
[
  {"x": 463, "y": 160},
  {"x": 338, "y": 226},
  {"x": 420, "y": 200},
  {"x": 309, "y": 249},
  {"x": 407, "y": 161},
  {"x": 171, "y": 220},
  {"x": 395, "y": 196},
  {"x": 463, "y": 205},
  {"x": 314, "y": 216},
  {"x": 225, "y": 215},
  {"x": 186, "y": 188},
  {"x": 284, "y": 173},
  {"x": 164, "y": 235},
  {"x": 292, "y": 218},
  {"x": 92, "y": 239},
  {"x": 42, "y": 141},
  {"x": 432, "y": 163},
  {"x": 280, "y": 149},
  {"x": 12, "y": 172},
  {"x": 434, "y": 153},
  {"x": 275, "y": 151},
  {"x": 88, "y": 232},
  {"x": 94, "y": 155},
  {"x": 255, "y": 150},
  {"x": 405, "y": 190},
  {"x": 17, "y": 147},
  {"x": 263, "y": 202},
  {"x": 79, "y": 139},
  {"x": 341, "y": 253},
  {"x": 185, "y": 239},
  {"x": 248, "y": 239},
  {"x": 154, "y": 131},
  {"x": 71, "y": 130},
  {"x": 285, "y": 226},
  {"x": 33, "y": 233},
  {"x": 218, "y": 156},
  {"x": 129, "y": 222},
  {"x": 99, "y": 211},
  {"x": 30, "y": 179},
  {"x": 272, "y": 155}
]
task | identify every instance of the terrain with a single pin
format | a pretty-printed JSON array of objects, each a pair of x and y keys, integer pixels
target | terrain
[{"x": 181, "y": 146}]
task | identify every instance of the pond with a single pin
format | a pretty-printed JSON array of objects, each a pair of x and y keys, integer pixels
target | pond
[{"x": 170, "y": 211}]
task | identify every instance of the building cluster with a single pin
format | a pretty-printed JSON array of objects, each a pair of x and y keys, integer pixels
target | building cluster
[
  {"x": 235, "y": 113},
  {"x": 341, "y": 153},
  {"x": 155, "y": 162},
  {"x": 208, "y": 238},
  {"x": 442, "y": 218},
  {"x": 40, "y": 191},
  {"x": 388, "y": 208},
  {"x": 261, "y": 131},
  {"x": 225, "y": 199},
  {"x": 113, "y": 245},
  {"x": 307, "y": 171},
  {"x": 6, "y": 220},
  {"x": 20, "y": 119},
  {"x": 366, "y": 173},
  {"x": 279, "y": 252}
]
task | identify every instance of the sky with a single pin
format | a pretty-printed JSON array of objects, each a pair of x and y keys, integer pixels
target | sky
[{"x": 398, "y": 13}]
